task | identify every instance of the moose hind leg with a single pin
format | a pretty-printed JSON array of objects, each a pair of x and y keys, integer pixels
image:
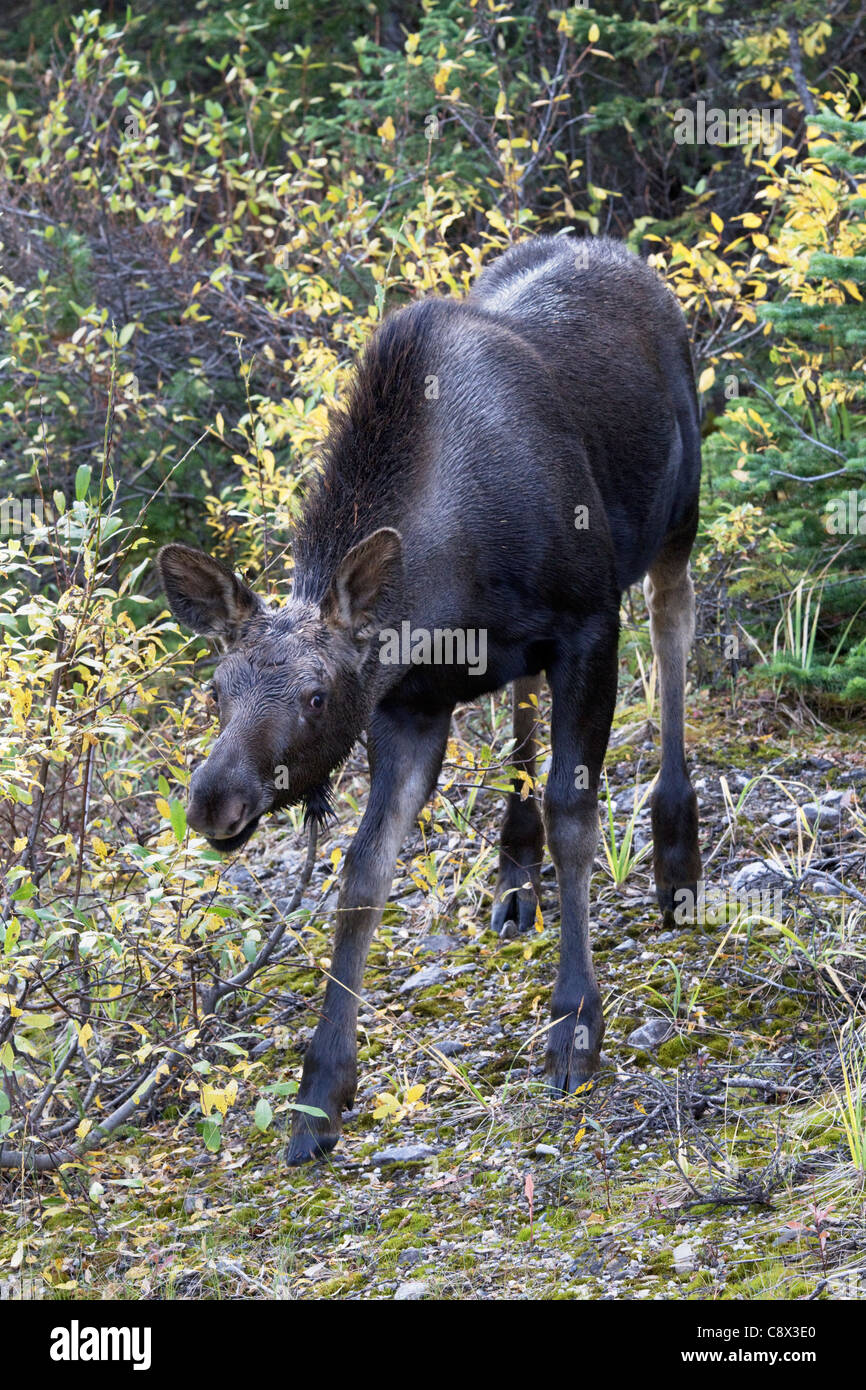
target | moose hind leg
[
  {"x": 518, "y": 887},
  {"x": 670, "y": 599},
  {"x": 583, "y": 681}
]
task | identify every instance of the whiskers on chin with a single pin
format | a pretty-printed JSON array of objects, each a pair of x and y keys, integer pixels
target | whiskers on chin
[{"x": 319, "y": 806}]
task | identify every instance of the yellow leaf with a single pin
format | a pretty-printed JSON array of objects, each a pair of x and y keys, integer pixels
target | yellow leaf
[
  {"x": 750, "y": 220},
  {"x": 718, "y": 224},
  {"x": 209, "y": 1099},
  {"x": 539, "y": 920},
  {"x": 707, "y": 377},
  {"x": 85, "y": 1033},
  {"x": 84, "y": 1128},
  {"x": 594, "y": 33},
  {"x": 414, "y": 1093},
  {"x": 386, "y": 129}
]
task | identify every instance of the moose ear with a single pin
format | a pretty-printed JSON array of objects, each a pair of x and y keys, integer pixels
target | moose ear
[
  {"x": 364, "y": 575},
  {"x": 204, "y": 594}
]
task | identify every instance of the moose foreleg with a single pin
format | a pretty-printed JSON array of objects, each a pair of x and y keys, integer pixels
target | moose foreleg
[{"x": 405, "y": 757}]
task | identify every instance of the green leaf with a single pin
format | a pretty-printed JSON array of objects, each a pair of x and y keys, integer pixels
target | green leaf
[
  {"x": 263, "y": 1115},
  {"x": 178, "y": 820},
  {"x": 82, "y": 481},
  {"x": 211, "y": 1132}
]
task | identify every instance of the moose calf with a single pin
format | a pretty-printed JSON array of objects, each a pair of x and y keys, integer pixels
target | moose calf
[{"x": 507, "y": 465}]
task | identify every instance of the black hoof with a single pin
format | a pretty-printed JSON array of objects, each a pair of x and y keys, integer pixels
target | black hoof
[
  {"x": 304, "y": 1146},
  {"x": 515, "y": 902},
  {"x": 563, "y": 1080},
  {"x": 678, "y": 906}
]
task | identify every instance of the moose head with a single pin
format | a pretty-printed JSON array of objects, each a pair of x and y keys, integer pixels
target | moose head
[{"x": 294, "y": 684}]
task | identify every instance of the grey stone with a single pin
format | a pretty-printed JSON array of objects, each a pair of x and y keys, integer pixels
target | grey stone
[
  {"x": 423, "y": 978},
  {"x": 757, "y": 873},
  {"x": 411, "y": 1289},
  {"x": 240, "y": 877},
  {"x": 652, "y": 1033},
  {"x": 406, "y": 1153},
  {"x": 438, "y": 943}
]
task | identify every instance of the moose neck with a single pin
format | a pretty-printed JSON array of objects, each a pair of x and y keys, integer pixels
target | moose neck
[{"x": 376, "y": 451}]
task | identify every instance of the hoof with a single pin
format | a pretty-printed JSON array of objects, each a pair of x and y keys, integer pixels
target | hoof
[
  {"x": 574, "y": 1043},
  {"x": 515, "y": 901},
  {"x": 305, "y": 1146},
  {"x": 565, "y": 1081},
  {"x": 678, "y": 906}
]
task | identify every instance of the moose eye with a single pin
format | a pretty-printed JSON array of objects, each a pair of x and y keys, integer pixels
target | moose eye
[{"x": 317, "y": 700}]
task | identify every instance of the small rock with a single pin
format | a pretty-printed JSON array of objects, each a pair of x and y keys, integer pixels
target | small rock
[
  {"x": 450, "y": 1047},
  {"x": 628, "y": 943},
  {"x": 410, "y": 1257},
  {"x": 827, "y": 810},
  {"x": 422, "y": 979},
  {"x": 407, "y": 1153},
  {"x": 413, "y": 1288},
  {"x": 240, "y": 877},
  {"x": 756, "y": 874},
  {"x": 819, "y": 884},
  {"x": 684, "y": 1258},
  {"x": 194, "y": 1202},
  {"x": 651, "y": 1034},
  {"x": 547, "y": 1150},
  {"x": 438, "y": 943}
]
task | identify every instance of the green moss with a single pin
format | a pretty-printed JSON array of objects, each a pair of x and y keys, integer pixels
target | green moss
[
  {"x": 343, "y": 1283},
  {"x": 672, "y": 1052},
  {"x": 562, "y": 1219}
]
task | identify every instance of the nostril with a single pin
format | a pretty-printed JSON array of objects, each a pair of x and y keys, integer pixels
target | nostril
[{"x": 234, "y": 814}]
